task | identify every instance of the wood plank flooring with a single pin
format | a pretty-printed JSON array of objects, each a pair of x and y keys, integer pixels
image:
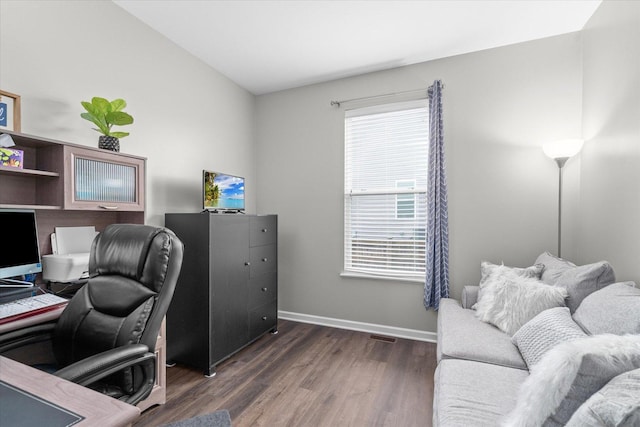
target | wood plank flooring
[{"x": 309, "y": 375}]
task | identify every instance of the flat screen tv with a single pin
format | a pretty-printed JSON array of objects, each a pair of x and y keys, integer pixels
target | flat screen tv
[
  {"x": 222, "y": 192},
  {"x": 19, "y": 250}
]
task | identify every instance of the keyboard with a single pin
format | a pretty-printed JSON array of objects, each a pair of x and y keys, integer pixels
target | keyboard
[{"x": 30, "y": 306}]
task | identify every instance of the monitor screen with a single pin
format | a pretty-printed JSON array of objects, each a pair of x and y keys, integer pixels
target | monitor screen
[
  {"x": 221, "y": 191},
  {"x": 19, "y": 251}
]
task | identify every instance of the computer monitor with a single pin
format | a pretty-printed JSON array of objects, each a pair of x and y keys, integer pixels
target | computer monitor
[{"x": 19, "y": 251}]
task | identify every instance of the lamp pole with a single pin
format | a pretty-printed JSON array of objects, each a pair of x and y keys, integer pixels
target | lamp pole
[
  {"x": 561, "y": 151},
  {"x": 561, "y": 162}
]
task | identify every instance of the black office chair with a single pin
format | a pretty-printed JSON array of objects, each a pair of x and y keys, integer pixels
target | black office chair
[{"x": 105, "y": 338}]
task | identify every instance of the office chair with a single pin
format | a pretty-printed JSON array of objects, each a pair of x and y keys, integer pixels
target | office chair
[{"x": 105, "y": 337}]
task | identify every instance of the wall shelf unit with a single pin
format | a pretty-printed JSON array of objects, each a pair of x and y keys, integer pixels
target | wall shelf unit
[{"x": 73, "y": 185}]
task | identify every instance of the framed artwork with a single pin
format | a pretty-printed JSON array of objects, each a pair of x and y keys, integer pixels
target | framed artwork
[{"x": 9, "y": 111}]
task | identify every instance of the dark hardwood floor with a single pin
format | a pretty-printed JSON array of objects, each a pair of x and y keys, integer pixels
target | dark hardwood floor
[{"x": 309, "y": 375}]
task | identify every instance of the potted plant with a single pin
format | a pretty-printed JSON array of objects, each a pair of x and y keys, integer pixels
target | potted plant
[{"x": 104, "y": 115}]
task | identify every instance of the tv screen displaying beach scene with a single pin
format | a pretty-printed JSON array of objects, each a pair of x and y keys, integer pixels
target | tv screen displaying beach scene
[{"x": 222, "y": 191}]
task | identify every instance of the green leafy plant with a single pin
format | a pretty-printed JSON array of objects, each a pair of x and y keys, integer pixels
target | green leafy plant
[{"x": 105, "y": 114}]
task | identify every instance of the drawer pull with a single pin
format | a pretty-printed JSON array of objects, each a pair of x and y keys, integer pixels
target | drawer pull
[
  {"x": 264, "y": 289},
  {"x": 247, "y": 263},
  {"x": 264, "y": 317},
  {"x": 264, "y": 230},
  {"x": 264, "y": 260},
  {"x": 109, "y": 208}
]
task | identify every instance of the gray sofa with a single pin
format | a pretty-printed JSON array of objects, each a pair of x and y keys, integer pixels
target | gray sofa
[{"x": 480, "y": 370}]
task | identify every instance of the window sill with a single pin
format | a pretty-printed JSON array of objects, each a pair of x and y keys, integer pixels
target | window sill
[{"x": 355, "y": 275}]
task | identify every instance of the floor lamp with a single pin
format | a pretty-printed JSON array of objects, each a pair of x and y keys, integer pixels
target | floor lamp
[{"x": 561, "y": 151}]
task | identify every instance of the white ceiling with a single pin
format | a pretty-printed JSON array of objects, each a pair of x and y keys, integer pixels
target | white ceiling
[{"x": 266, "y": 46}]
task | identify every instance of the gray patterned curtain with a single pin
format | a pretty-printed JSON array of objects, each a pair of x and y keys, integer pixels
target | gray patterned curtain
[{"x": 436, "y": 285}]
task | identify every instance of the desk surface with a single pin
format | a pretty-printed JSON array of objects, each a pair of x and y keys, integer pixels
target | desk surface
[
  {"x": 36, "y": 319},
  {"x": 96, "y": 408}
]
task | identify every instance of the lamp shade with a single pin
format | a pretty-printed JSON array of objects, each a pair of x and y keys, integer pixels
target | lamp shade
[{"x": 563, "y": 149}]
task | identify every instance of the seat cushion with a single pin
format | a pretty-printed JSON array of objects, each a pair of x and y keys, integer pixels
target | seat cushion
[
  {"x": 474, "y": 394},
  {"x": 462, "y": 336}
]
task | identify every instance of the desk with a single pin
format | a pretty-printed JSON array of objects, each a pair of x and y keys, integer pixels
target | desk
[{"x": 96, "y": 408}]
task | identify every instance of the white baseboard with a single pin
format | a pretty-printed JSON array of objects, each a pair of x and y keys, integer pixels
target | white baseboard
[{"x": 392, "y": 331}]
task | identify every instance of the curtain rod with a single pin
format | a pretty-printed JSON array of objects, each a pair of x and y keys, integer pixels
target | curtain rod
[{"x": 338, "y": 103}]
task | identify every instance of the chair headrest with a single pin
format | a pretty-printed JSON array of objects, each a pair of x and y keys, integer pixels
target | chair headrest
[{"x": 139, "y": 252}]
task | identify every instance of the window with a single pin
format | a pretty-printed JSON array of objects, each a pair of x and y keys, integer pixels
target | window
[
  {"x": 406, "y": 202},
  {"x": 386, "y": 156}
]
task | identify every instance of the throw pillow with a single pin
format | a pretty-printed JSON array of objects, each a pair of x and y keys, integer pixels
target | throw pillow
[
  {"x": 569, "y": 374},
  {"x": 579, "y": 281},
  {"x": 615, "y": 404},
  {"x": 509, "y": 302},
  {"x": 614, "y": 309},
  {"x": 489, "y": 271},
  {"x": 545, "y": 331}
]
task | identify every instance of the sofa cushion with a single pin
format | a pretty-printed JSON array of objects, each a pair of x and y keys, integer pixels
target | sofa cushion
[
  {"x": 488, "y": 269},
  {"x": 579, "y": 281},
  {"x": 545, "y": 331},
  {"x": 509, "y": 302},
  {"x": 462, "y": 336},
  {"x": 470, "y": 393},
  {"x": 490, "y": 272},
  {"x": 615, "y": 404},
  {"x": 569, "y": 374},
  {"x": 614, "y": 309}
]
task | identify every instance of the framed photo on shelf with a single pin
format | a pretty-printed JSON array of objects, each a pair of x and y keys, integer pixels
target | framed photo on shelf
[{"x": 9, "y": 111}]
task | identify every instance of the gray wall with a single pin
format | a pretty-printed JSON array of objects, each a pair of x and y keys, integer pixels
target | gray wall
[
  {"x": 500, "y": 106},
  {"x": 188, "y": 116},
  {"x": 609, "y": 220}
]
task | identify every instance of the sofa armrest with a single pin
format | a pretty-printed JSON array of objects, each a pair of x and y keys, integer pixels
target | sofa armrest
[{"x": 469, "y": 296}]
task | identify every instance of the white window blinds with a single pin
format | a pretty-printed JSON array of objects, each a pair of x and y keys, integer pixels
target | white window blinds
[{"x": 386, "y": 154}]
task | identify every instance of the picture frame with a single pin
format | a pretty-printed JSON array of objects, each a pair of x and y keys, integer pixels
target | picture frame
[{"x": 9, "y": 111}]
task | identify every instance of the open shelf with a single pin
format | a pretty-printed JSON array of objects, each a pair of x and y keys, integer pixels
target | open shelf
[
  {"x": 37, "y": 207},
  {"x": 33, "y": 172}
]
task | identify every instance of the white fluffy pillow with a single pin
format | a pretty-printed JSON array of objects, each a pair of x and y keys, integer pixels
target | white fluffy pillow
[
  {"x": 490, "y": 271},
  {"x": 508, "y": 301},
  {"x": 487, "y": 270}
]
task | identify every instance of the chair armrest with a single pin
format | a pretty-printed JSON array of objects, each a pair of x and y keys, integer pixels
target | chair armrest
[
  {"x": 25, "y": 336},
  {"x": 94, "y": 368},
  {"x": 469, "y": 296}
]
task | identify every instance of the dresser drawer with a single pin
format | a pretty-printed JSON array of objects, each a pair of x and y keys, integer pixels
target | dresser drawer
[
  {"x": 263, "y": 230},
  {"x": 264, "y": 259},
  {"x": 263, "y": 289},
  {"x": 263, "y": 319}
]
